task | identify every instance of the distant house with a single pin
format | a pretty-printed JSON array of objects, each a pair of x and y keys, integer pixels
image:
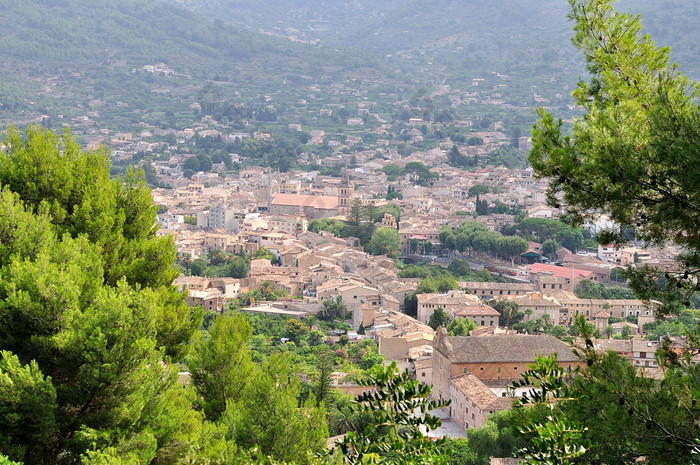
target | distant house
[
  {"x": 491, "y": 357},
  {"x": 309, "y": 206},
  {"x": 472, "y": 371},
  {"x": 449, "y": 302},
  {"x": 540, "y": 211},
  {"x": 540, "y": 305},
  {"x": 472, "y": 401},
  {"x": 493, "y": 290},
  {"x": 644, "y": 353}
]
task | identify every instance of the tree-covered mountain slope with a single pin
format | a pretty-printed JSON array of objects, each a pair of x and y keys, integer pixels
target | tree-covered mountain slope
[
  {"x": 68, "y": 53},
  {"x": 523, "y": 36}
]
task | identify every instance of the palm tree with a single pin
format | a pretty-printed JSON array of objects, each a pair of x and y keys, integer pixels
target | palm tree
[
  {"x": 333, "y": 309},
  {"x": 609, "y": 331},
  {"x": 344, "y": 420}
]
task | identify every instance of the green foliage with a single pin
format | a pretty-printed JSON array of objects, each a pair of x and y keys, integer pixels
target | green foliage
[
  {"x": 392, "y": 209},
  {"x": 87, "y": 308},
  {"x": 508, "y": 309},
  {"x": 633, "y": 154},
  {"x": 629, "y": 416},
  {"x": 394, "y": 195},
  {"x": 27, "y": 408},
  {"x": 269, "y": 416},
  {"x": 587, "y": 289},
  {"x": 77, "y": 194},
  {"x": 507, "y": 156},
  {"x": 478, "y": 189},
  {"x": 201, "y": 162},
  {"x": 5, "y": 461},
  {"x": 456, "y": 159},
  {"x": 459, "y": 267},
  {"x": 217, "y": 264},
  {"x": 461, "y": 327},
  {"x": 333, "y": 310},
  {"x": 549, "y": 247},
  {"x": 398, "y": 408},
  {"x": 392, "y": 170},
  {"x": 385, "y": 241},
  {"x": 264, "y": 293},
  {"x": 543, "y": 229},
  {"x": 419, "y": 173},
  {"x": 370, "y": 359},
  {"x": 497, "y": 438},
  {"x": 263, "y": 253},
  {"x": 335, "y": 227},
  {"x": 686, "y": 324},
  {"x": 296, "y": 330},
  {"x": 220, "y": 364},
  {"x": 322, "y": 382},
  {"x": 438, "y": 318},
  {"x": 441, "y": 285},
  {"x": 556, "y": 440},
  {"x": 618, "y": 274},
  {"x": 472, "y": 235}
]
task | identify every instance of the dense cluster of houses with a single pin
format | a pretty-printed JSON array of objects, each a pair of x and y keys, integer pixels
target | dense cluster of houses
[{"x": 258, "y": 208}]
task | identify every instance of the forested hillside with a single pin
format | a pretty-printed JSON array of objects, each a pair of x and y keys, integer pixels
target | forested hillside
[
  {"x": 70, "y": 52},
  {"x": 449, "y": 37}
]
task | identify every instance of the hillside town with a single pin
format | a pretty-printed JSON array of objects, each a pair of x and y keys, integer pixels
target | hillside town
[{"x": 272, "y": 218}]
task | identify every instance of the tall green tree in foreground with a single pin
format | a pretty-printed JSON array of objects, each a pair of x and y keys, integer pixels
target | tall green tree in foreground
[
  {"x": 89, "y": 320},
  {"x": 399, "y": 408},
  {"x": 633, "y": 156}
]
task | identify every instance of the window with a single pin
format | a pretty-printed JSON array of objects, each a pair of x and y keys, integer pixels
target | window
[
  {"x": 499, "y": 369},
  {"x": 465, "y": 370}
]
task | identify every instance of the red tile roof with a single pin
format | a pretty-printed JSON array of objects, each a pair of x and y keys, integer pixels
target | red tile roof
[
  {"x": 560, "y": 271},
  {"x": 300, "y": 200}
]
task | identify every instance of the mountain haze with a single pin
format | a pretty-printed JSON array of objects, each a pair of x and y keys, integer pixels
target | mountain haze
[
  {"x": 456, "y": 35},
  {"x": 66, "y": 53}
]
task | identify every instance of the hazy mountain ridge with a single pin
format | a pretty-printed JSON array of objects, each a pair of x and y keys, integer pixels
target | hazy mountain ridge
[
  {"x": 67, "y": 49},
  {"x": 504, "y": 31}
]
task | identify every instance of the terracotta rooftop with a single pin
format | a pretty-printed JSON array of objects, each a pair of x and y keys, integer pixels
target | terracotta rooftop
[
  {"x": 560, "y": 271},
  {"x": 507, "y": 348},
  {"x": 451, "y": 298},
  {"x": 300, "y": 200},
  {"x": 497, "y": 286},
  {"x": 476, "y": 310},
  {"x": 479, "y": 394},
  {"x": 616, "y": 345}
]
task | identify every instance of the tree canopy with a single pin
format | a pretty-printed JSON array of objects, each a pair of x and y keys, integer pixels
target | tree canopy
[
  {"x": 633, "y": 155},
  {"x": 385, "y": 241},
  {"x": 89, "y": 320}
]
